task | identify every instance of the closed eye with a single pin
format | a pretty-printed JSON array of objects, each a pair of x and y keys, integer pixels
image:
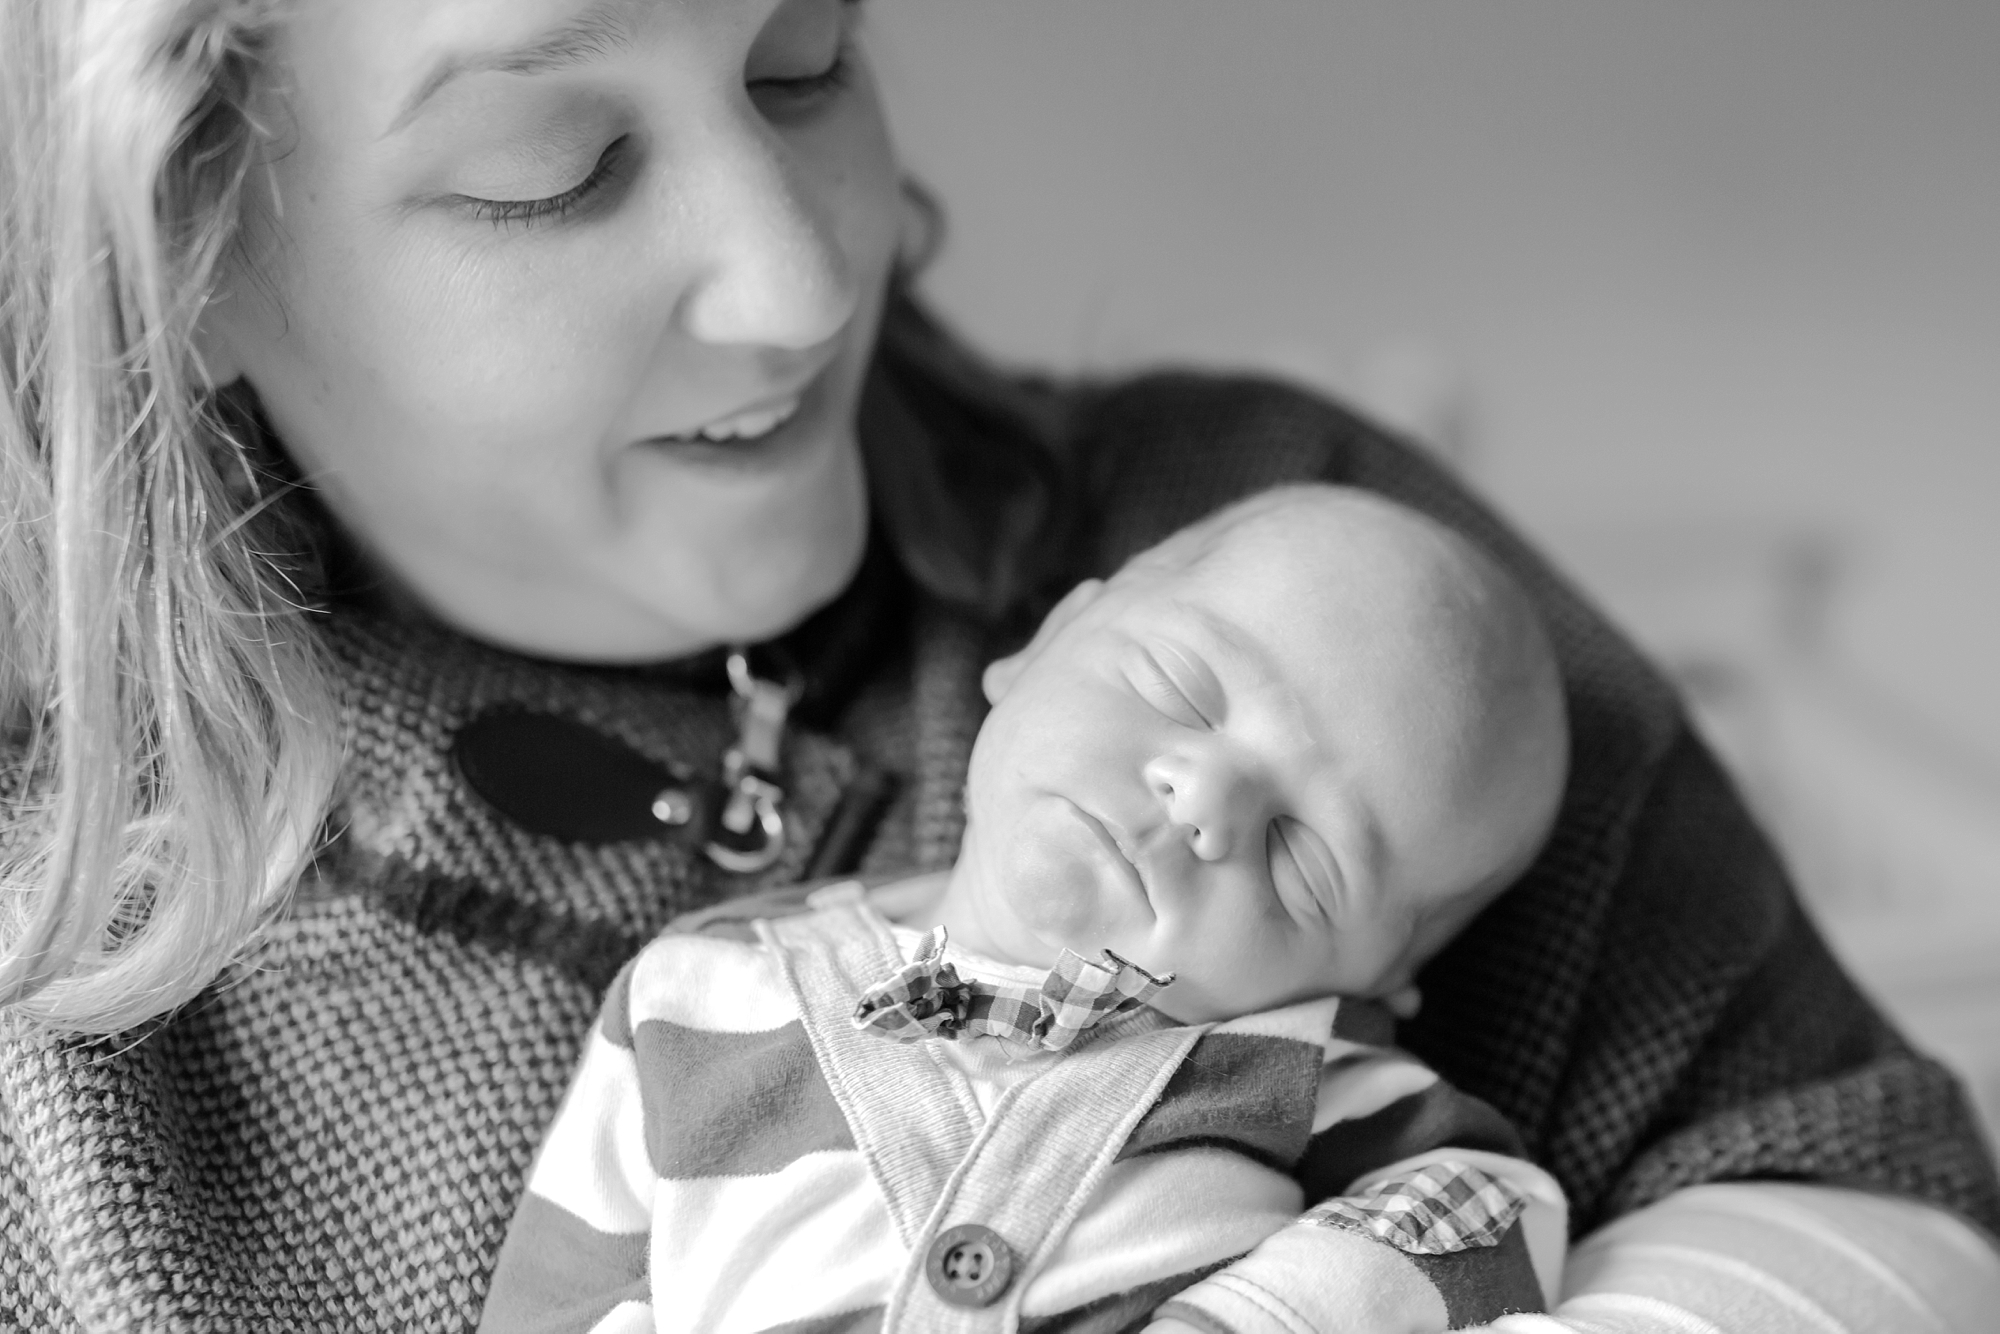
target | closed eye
[
  {"x": 798, "y": 93},
  {"x": 527, "y": 212},
  {"x": 1157, "y": 688},
  {"x": 1303, "y": 869}
]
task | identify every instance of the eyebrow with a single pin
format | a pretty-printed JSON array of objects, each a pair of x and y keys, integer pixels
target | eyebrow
[
  {"x": 598, "y": 32},
  {"x": 1227, "y": 639}
]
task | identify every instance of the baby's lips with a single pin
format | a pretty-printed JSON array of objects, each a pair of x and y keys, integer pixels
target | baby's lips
[{"x": 1110, "y": 849}]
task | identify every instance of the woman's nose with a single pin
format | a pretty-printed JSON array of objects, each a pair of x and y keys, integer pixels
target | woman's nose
[
  {"x": 1207, "y": 799},
  {"x": 770, "y": 270}
]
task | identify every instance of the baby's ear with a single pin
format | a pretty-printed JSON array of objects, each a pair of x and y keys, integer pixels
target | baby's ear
[{"x": 1001, "y": 673}]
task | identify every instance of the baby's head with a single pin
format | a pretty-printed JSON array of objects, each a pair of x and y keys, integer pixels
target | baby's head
[{"x": 1286, "y": 753}]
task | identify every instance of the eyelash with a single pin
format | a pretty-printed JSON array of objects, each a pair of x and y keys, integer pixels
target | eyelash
[
  {"x": 1158, "y": 686},
  {"x": 528, "y": 212},
  {"x": 1275, "y": 834}
]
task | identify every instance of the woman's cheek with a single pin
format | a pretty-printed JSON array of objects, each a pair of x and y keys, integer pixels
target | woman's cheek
[
  {"x": 513, "y": 343},
  {"x": 856, "y": 167}
]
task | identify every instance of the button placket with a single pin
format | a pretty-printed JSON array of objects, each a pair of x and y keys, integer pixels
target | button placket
[{"x": 1036, "y": 1162}]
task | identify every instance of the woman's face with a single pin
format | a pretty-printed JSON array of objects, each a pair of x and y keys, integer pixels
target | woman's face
[{"x": 565, "y": 306}]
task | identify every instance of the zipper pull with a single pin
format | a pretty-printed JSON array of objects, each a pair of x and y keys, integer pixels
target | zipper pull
[{"x": 750, "y": 833}]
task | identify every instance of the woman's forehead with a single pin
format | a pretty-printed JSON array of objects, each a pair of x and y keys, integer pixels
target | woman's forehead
[
  {"x": 461, "y": 37},
  {"x": 394, "y": 57}
]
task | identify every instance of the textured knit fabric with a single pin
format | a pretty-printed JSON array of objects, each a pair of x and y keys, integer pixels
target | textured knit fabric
[
  {"x": 335, "y": 1139},
  {"x": 711, "y": 1164}
]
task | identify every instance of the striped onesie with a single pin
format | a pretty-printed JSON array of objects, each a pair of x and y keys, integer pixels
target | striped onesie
[{"x": 734, "y": 1157}]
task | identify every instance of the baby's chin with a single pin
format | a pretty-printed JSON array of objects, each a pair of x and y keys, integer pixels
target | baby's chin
[
  {"x": 1189, "y": 1001},
  {"x": 1046, "y": 877}
]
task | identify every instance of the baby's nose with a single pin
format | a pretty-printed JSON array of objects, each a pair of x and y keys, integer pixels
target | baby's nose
[{"x": 1204, "y": 799}]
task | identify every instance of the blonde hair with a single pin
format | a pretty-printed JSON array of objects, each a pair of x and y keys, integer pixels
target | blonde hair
[{"x": 168, "y": 740}]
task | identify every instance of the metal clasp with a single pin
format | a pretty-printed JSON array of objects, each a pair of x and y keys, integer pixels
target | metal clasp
[{"x": 753, "y": 817}]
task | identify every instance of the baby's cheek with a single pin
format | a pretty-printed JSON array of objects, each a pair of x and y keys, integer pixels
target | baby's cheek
[
  {"x": 1235, "y": 967},
  {"x": 1054, "y": 894},
  {"x": 1057, "y": 887}
]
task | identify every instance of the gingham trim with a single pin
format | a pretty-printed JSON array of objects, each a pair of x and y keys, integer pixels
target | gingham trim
[
  {"x": 927, "y": 998},
  {"x": 1435, "y": 1210}
]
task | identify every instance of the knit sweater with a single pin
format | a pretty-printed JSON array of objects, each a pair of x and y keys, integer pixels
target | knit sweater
[
  {"x": 336, "y": 1138},
  {"x": 735, "y": 1158}
]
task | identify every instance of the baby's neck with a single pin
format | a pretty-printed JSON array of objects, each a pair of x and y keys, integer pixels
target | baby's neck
[{"x": 913, "y": 902}]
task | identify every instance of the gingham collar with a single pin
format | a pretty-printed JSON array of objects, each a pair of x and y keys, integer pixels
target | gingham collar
[{"x": 927, "y": 998}]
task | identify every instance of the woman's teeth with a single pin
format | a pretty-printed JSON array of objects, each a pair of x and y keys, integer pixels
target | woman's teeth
[{"x": 747, "y": 425}]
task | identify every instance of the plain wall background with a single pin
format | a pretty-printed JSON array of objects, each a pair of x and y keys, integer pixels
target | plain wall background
[{"x": 1706, "y": 264}]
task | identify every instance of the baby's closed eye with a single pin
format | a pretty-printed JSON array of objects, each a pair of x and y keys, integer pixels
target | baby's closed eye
[
  {"x": 1179, "y": 686},
  {"x": 1303, "y": 868}
]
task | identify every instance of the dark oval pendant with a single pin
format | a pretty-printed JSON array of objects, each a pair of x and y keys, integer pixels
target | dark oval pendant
[{"x": 564, "y": 779}]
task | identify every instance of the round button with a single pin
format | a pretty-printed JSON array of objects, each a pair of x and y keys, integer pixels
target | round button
[
  {"x": 673, "y": 806},
  {"x": 969, "y": 1265}
]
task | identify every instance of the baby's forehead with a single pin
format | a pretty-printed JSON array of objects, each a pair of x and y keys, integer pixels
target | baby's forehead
[
  {"x": 1252, "y": 618},
  {"x": 1305, "y": 549},
  {"x": 1317, "y": 580}
]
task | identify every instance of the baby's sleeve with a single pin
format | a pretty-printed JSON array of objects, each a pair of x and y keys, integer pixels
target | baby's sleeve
[
  {"x": 1428, "y": 1217},
  {"x": 575, "y": 1255}
]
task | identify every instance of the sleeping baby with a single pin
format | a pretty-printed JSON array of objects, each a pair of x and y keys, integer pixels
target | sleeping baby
[{"x": 1127, "y": 1062}]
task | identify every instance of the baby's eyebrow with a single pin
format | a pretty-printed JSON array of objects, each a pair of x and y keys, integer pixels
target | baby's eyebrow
[
  {"x": 1222, "y": 639},
  {"x": 597, "y": 32}
]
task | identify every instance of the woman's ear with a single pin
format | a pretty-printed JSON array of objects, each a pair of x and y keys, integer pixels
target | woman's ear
[
  {"x": 1404, "y": 1001},
  {"x": 1001, "y": 673}
]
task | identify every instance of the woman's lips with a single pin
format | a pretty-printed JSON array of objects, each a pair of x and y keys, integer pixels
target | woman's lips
[
  {"x": 764, "y": 435},
  {"x": 751, "y": 423}
]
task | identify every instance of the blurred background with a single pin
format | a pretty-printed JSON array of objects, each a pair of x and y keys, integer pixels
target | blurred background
[{"x": 1706, "y": 296}]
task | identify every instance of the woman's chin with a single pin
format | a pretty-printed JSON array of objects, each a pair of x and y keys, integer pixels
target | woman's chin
[
  {"x": 749, "y": 573},
  {"x": 792, "y": 586},
  {"x": 622, "y": 617}
]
